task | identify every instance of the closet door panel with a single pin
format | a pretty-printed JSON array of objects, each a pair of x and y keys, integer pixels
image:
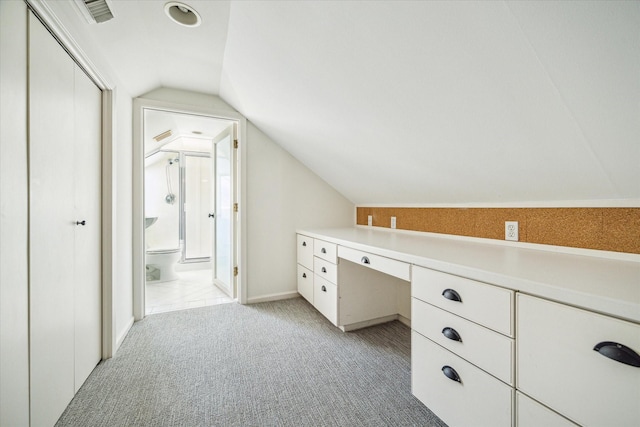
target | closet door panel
[
  {"x": 87, "y": 161},
  {"x": 52, "y": 226}
]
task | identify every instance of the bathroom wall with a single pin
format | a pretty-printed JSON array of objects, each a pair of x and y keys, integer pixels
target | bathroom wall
[{"x": 164, "y": 233}]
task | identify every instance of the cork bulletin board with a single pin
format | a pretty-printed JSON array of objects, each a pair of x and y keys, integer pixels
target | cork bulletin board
[{"x": 610, "y": 229}]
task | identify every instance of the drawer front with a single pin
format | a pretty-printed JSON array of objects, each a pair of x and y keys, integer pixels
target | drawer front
[
  {"x": 305, "y": 283},
  {"x": 487, "y": 305},
  {"x": 389, "y": 266},
  {"x": 325, "y": 298},
  {"x": 305, "y": 251},
  {"x": 326, "y": 270},
  {"x": 477, "y": 400},
  {"x": 325, "y": 250},
  {"x": 483, "y": 347},
  {"x": 530, "y": 413},
  {"x": 557, "y": 364}
]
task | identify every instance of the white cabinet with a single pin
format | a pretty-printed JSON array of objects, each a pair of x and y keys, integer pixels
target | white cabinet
[
  {"x": 65, "y": 226},
  {"x": 559, "y": 364},
  {"x": 305, "y": 266},
  {"x": 351, "y": 293},
  {"x": 530, "y": 413},
  {"x": 455, "y": 390},
  {"x": 479, "y": 302},
  {"x": 462, "y": 352}
]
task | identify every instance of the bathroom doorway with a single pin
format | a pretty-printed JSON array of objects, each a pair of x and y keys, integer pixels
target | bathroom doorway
[{"x": 189, "y": 207}]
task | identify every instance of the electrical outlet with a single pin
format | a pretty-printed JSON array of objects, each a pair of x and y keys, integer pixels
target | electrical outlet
[
  {"x": 369, "y": 220},
  {"x": 511, "y": 230},
  {"x": 393, "y": 222}
]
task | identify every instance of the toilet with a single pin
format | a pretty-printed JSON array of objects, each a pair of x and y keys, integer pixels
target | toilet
[{"x": 160, "y": 264}]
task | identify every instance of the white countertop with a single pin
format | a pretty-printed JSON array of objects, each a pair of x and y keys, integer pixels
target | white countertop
[{"x": 604, "y": 285}]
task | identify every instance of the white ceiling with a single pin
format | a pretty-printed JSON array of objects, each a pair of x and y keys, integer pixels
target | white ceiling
[{"x": 399, "y": 102}]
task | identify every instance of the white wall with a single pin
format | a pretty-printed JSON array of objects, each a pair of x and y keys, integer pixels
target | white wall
[
  {"x": 14, "y": 345},
  {"x": 282, "y": 196}
]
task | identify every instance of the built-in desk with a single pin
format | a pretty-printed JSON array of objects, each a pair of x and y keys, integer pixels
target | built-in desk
[{"x": 501, "y": 334}]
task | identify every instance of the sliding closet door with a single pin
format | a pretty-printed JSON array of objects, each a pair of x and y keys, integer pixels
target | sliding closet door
[
  {"x": 52, "y": 226},
  {"x": 64, "y": 220},
  {"x": 87, "y": 280}
]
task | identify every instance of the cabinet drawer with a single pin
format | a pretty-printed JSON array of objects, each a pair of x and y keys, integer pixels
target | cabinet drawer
[
  {"x": 389, "y": 266},
  {"x": 530, "y": 413},
  {"x": 483, "y": 347},
  {"x": 325, "y": 269},
  {"x": 487, "y": 305},
  {"x": 477, "y": 400},
  {"x": 325, "y": 250},
  {"x": 305, "y": 283},
  {"x": 305, "y": 251},
  {"x": 325, "y": 298},
  {"x": 557, "y": 364}
]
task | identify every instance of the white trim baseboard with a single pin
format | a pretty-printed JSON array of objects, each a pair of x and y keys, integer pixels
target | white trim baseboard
[{"x": 273, "y": 297}]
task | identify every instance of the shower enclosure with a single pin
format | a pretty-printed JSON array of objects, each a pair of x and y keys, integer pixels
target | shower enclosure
[{"x": 179, "y": 194}]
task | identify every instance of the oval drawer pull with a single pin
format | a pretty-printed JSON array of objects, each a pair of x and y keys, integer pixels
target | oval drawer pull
[
  {"x": 304, "y": 275},
  {"x": 324, "y": 270},
  {"x": 452, "y": 295},
  {"x": 618, "y": 352},
  {"x": 365, "y": 260},
  {"x": 451, "y": 373},
  {"x": 452, "y": 334},
  {"x": 323, "y": 288},
  {"x": 304, "y": 243},
  {"x": 323, "y": 250}
]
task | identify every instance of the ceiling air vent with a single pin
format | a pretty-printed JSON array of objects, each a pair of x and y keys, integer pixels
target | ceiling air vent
[{"x": 95, "y": 11}]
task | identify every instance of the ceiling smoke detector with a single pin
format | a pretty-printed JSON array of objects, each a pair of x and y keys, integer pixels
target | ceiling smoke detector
[{"x": 182, "y": 14}]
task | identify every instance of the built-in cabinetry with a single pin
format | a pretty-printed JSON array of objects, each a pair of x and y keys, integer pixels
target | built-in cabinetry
[
  {"x": 462, "y": 348},
  {"x": 581, "y": 364},
  {"x": 489, "y": 347},
  {"x": 64, "y": 226},
  {"x": 352, "y": 288}
]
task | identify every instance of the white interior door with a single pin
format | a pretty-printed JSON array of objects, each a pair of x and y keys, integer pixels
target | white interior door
[
  {"x": 52, "y": 226},
  {"x": 87, "y": 161},
  {"x": 223, "y": 246}
]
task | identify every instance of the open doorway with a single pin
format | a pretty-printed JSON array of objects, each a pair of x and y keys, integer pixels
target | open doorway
[{"x": 189, "y": 173}]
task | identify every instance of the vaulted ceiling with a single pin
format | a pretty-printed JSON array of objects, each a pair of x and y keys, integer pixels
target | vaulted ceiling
[{"x": 398, "y": 102}]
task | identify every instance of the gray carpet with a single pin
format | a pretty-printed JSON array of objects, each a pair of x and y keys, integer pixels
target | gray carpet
[{"x": 271, "y": 364}]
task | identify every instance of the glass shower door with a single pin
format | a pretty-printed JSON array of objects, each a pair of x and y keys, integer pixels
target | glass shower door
[{"x": 198, "y": 208}]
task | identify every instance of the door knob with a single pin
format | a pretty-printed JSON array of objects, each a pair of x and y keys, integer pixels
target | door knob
[
  {"x": 83, "y": 222},
  {"x": 212, "y": 215}
]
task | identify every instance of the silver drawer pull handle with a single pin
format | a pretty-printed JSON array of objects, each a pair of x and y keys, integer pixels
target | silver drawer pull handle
[
  {"x": 451, "y": 373},
  {"x": 618, "y": 352},
  {"x": 323, "y": 250},
  {"x": 365, "y": 260},
  {"x": 304, "y": 243},
  {"x": 323, "y": 288},
  {"x": 324, "y": 270},
  {"x": 304, "y": 275}
]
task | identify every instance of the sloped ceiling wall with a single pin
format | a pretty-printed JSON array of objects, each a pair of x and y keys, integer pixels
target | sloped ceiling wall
[{"x": 446, "y": 102}]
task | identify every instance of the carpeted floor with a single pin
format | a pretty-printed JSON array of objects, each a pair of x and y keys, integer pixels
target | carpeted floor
[{"x": 271, "y": 364}]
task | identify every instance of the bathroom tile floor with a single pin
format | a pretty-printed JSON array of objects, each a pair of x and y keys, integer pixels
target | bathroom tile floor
[{"x": 192, "y": 289}]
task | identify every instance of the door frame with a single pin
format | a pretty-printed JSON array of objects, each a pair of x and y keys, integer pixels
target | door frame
[{"x": 139, "y": 105}]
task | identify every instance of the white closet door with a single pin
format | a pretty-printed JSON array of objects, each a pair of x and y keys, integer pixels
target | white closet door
[
  {"x": 52, "y": 226},
  {"x": 87, "y": 161}
]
